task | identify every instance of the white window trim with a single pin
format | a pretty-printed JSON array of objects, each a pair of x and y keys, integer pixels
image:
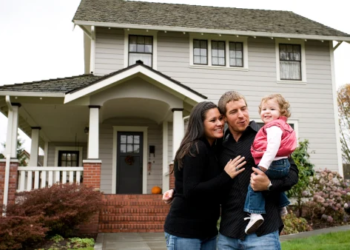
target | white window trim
[
  {"x": 152, "y": 33},
  {"x": 303, "y": 60},
  {"x": 80, "y": 149},
  {"x": 289, "y": 121},
  {"x": 143, "y": 130},
  {"x": 227, "y": 39}
]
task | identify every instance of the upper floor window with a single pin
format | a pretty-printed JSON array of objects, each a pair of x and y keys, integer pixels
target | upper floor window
[
  {"x": 228, "y": 52},
  {"x": 200, "y": 52},
  {"x": 290, "y": 62},
  {"x": 236, "y": 54},
  {"x": 140, "y": 48},
  {"x": 218, "y": 53}
]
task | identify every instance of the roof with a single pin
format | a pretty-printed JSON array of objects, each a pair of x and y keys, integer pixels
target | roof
[
  {"x": 75, "y": 83},
  {"x": 59, "y": 85},
  {"x": 200, "y": 17}
]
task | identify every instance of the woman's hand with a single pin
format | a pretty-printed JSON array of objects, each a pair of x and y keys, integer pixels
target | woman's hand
[
  {"x": 168, "y": 196},
  {"x": 233, "y": 167}
]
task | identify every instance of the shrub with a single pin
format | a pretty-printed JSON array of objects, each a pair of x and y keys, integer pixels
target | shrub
[
  {"x": 18, "y": 230},
  {"x": 330, "y": 193},
  {"x": 293, "y": 224},
  {"x": 62, "y": 207},
  {"x": 301, "y": 158}
]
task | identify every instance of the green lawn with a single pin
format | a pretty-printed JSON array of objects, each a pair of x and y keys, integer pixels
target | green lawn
[{"x": 329, "y": 241}]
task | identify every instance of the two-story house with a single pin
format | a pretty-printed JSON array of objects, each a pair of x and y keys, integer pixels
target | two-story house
[{"x": 146, "y": 65}]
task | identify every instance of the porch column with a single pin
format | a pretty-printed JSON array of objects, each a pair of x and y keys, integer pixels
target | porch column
[
  {"x": 166, "y": 170},
  {"x": 93, "y": 146},
  {"x": 12, "y": 130},
  {"x": 178, "y": 134},
  {"x": 34, "y": 149}
]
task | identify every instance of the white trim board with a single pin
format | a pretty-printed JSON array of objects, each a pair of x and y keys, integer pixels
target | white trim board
[
  {"x": 214, "y": 31},
  {"x": 69, "y": 148},
  {"x": 143, "y": 130},
  {"x": 128, "y": 73}
]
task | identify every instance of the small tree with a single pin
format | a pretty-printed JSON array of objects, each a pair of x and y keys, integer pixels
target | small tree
[
  {"x": 301, "y": 158},
  {"x": 21, "y": 156},
  {"x": 344, "y": 120}
]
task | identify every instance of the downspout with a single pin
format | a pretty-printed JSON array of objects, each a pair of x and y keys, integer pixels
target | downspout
[{"x": 7, "y": 166}]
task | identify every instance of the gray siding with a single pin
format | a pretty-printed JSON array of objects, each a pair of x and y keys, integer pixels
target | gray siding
[
  {"x": 109, "y": 50},
  {"x": 311, "y": 103}
]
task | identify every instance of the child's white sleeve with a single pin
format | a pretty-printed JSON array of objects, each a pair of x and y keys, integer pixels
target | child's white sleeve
[{"x": 274, "y": 135}]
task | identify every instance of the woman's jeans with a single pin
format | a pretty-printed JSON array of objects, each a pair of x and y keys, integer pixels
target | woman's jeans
[
  {"x": 178, "y": 243},
  {"x": 255, "y": 201}
]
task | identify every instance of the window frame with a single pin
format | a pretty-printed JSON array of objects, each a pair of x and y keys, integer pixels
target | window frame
[
  {"x": 69, "y": 148},
  {"x": 207, "y": 54},
  {"x": 137, "y": 36},
  {"x": 225, "y": 58},
  {"x": 286, "y": 41},
  {"x": 152, "y": 33},
  {"x": 221, "y": 38}
]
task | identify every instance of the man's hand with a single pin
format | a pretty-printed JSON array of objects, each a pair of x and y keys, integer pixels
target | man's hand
[
  {"x": 259, "y": 180},
  {"x": 168, "y": 196}
]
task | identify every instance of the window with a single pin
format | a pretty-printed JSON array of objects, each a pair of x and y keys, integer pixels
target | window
[
  {"x": 236, "y": 54},
  {"x": 140, "y": 48},
  {"x": 218, "y": 53},
  {"x": 68, "y": 158},
  {"x": 200, "y": 52},
  {"x": 290, "y": 62}
]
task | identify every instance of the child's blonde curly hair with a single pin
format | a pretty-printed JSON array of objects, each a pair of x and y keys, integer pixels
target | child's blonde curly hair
[{"x": 282, "y": 103}]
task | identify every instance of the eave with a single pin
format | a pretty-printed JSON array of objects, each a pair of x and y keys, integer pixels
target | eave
[{"x": 212, "y": 31}]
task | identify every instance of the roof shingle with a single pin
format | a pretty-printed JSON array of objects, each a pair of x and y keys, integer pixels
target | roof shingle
[{"x": 203, "y": 17}]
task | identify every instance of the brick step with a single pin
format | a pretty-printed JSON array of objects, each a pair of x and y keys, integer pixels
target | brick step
[
  {"x": 131, "y": 218},
  {"x": 134, "y": 210},
  {"x": 139, "y": 197},
  {"x": 131, "y": 230},
  {"x": 140, "y": 226},
  {"x": 134, "y": 203}
]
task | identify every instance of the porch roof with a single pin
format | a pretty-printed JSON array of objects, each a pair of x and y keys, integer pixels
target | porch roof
[
  {"x": 136, "y": 69},
  {"x": 200, "y": 18},
  {"x": 71, "y": 85}
]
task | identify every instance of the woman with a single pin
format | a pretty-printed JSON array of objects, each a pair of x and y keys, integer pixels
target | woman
[{"x": 199, "y": 182}]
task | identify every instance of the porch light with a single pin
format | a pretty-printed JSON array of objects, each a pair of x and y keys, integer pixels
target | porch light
[{"x": 86, "y": 130}]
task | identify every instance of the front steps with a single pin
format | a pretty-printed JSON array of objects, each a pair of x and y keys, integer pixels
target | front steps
[{"x": 133, "y": 213}]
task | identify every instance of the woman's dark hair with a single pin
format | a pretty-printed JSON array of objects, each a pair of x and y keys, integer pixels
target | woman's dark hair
[{"x": 195, "y": 130}]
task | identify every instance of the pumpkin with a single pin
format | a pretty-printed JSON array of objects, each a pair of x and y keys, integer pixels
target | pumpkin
[{"x": 156, "y": 190}]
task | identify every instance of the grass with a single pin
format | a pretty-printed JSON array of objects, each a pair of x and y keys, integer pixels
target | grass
[{"x": 329, "y": 241}]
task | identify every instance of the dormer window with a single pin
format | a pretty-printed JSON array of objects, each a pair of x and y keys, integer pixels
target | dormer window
[{"x": 140, "y": 48}]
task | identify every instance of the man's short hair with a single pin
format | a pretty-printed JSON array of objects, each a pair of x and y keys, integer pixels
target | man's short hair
[{"x": 228, "y": 97}]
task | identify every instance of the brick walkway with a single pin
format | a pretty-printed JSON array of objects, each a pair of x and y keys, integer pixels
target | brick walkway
[{"x": 155, "y": 241}]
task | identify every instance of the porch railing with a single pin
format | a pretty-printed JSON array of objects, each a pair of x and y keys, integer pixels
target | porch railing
[{"x": 30, "y": 178}]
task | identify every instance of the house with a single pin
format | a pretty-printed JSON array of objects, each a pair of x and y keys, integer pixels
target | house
[{"x": 146, "y": 66}]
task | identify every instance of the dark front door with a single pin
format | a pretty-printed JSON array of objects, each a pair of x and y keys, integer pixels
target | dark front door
[{"x": 129, "y": 162}]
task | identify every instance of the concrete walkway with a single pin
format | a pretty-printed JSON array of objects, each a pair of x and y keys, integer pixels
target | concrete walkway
[{"x": 156, "y": 241}]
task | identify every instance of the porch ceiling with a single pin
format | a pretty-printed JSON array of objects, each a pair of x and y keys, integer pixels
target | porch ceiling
[
  {"x": 58, "y": 122},
  {"x": 135, "y": 107}
]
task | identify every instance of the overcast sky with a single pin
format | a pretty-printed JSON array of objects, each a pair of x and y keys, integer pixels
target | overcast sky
[{"x": 38, "y": 41}]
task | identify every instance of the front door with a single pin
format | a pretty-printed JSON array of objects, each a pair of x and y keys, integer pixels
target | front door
[{"x": 129, "y": 162}]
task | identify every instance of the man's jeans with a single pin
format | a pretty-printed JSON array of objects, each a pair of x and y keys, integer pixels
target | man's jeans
[
  {"x": 255, "y": 202},
  {"x": 178, "y": 243},
  {"x": 251, "y": 242}
]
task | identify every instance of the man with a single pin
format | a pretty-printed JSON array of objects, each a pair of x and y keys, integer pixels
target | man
[{"x": 237, "y": 141}]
